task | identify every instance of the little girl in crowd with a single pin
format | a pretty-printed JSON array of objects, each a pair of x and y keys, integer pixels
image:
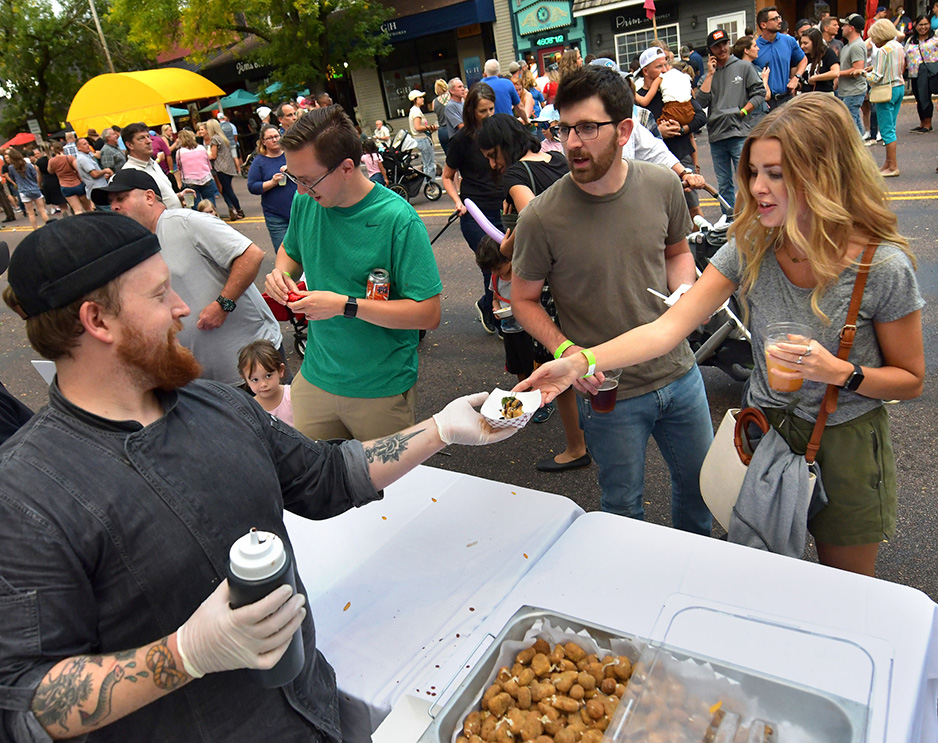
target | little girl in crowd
[
  {"x": 372, "y": 161},
  {"x": 262, "y": 370},
  {"x": 207, "y": 207}
]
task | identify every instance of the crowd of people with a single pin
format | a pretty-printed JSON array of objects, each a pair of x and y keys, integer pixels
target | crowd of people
[{"x": 160, "y": 339}]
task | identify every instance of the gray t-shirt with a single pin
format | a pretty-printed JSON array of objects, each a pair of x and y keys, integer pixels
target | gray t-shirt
[
  {"x": 86, "y": 163},
  {"x": 891, "y": 293},
  {"x": 600, "y": 254},
  {"x": 199, "y": 249},
  {"x": 855, "y": 51},
  {"x": 452, "y": 115}
]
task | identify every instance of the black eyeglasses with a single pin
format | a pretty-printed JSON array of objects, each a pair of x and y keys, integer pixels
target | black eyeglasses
[
  {"x": 305, "y": 184},
  {"x": 774, "y": 18},
  {"x": 585, "y": 131}
]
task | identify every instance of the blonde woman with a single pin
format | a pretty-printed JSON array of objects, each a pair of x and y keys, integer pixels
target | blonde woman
[
  {"x": 195, "y": 169},
  {"x": 219, "y": 152},
  {"x": 887, "y": 72},
  {"x": 441, "y": 88},
  {"x": 793, "y": 252}
]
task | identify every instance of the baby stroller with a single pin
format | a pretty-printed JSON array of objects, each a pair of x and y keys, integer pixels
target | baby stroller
[
  {"x": 723, "y": 341},
  {"x": 403, "y": 178},
  {"x": 284, "y": 314}
]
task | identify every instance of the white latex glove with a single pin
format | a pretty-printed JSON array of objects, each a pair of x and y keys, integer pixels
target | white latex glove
[
  {"x": 219, "y": 638},
  {"x": 460, "y": 423}
]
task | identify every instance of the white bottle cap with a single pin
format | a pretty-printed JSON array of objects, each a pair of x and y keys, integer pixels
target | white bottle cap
[{"x": 257, "y": 555}]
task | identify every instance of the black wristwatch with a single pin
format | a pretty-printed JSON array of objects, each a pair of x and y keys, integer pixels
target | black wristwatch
[
  {"x": 351, "y": 307},
  {"x": 854, "y": 380},
  {"x": 228, "y": 305}
]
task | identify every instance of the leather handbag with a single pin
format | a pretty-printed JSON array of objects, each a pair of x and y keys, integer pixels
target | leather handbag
[{"x": 724, "y": 468}]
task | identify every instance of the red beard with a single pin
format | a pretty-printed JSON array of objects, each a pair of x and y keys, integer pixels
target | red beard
[
  {"x": 164, "y": 366},
  {"x": 598, "y": 167}
]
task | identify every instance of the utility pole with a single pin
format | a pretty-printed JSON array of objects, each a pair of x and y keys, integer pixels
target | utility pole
[{"x": 97, "y": 24}]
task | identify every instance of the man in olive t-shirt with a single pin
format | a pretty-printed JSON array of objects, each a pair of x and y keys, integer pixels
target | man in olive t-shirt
[
  {"x": 600, "y": 237},
  {"x": 360, "y": 368}
]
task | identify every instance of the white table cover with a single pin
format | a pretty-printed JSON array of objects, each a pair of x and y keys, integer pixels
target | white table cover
[
  {"x": 647, "y": 574},
  {"x": 397, "y": 586}
]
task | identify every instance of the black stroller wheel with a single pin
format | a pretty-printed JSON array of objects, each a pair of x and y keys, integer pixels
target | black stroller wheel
[
  {"x": 399, "y": 190},
  {"x": 299, "y": 343},
  {"x": 432, "y": 191}
]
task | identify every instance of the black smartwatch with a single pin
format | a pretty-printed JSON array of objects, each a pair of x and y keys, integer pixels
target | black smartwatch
[
  {"x": 854, "y": 380},
  {"x": 228, "y": 305},
  {"x": 351, "y": 307}
]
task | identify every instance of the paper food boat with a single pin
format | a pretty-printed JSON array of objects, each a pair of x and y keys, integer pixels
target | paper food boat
[{"x": 492, "y": 408}]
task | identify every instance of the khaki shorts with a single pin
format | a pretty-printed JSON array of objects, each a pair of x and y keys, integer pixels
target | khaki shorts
[
  {"x": 858, "y": 469},
  {"x": 322, "y": 415}
]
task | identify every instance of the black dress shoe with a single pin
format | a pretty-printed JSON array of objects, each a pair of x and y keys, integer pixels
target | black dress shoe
[{"x": 551, "y": 465}]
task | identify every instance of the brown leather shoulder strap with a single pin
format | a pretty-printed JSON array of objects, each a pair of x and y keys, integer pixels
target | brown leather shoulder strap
[{"x": 847, "y": 334}]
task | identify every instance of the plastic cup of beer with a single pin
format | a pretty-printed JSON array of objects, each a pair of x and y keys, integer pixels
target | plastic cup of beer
[
  {"x": 189, "y": 198},
  {"x": 604, "y": 401},
  {"x": 784, "y": 332}
]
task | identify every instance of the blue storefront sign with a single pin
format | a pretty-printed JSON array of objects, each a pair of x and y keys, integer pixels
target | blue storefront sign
[{"x": 439, "y": 20}]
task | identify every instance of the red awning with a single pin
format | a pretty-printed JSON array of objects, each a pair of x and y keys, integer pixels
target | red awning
[{"x": 19, "y": 139}]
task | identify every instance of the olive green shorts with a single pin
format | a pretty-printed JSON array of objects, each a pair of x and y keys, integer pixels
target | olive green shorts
[{"x": 858, "y": 470}]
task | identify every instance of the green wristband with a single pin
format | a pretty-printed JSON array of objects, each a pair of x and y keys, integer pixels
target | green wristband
[
  {"x": 563, "y": 347},
  {"x": 591, "y": 360},
  {"x": 744, "y": 112},
  {"x": 286, "y": 273}
]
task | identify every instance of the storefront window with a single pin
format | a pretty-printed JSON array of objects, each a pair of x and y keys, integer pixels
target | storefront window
[
  {"x": 417, "y": 64},
  {"x": 631, "y": 45}
]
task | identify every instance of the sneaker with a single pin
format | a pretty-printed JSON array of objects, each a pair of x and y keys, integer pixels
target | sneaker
[
  {"x": 488, "y": 322},
  {"x": 879, "y": 137},
  {"x": 869, "y": 142},
  {"x": 543, "y": 413},
  {"x": 866, "y": 136}
]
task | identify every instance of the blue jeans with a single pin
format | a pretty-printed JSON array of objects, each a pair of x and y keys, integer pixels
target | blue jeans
[
  {"x": 474, "y": 234},
  {"x": 276, "y": 228},
  {"x": 853, "y": 103},
  {"x": 887, "y": 113},
  {"x": 205, "y": 190},
  {"x": 725, "y": 154},
  {"x": 678, "y": 416},
  {"x": 425, "y": 147}
]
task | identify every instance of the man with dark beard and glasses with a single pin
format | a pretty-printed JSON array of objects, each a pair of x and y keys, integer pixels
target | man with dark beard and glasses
[
  {"x": 600, "y": 237},
  {"x": 213, "y": 267},
  {"x": 119, "y": 502}
]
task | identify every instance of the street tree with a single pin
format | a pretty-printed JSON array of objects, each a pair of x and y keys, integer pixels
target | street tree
[
  {"x": 49, "y": 51},
  {"x": 301, "y": 41}
]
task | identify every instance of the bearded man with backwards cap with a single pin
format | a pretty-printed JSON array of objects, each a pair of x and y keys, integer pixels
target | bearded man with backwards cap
[{"x": 119, "y": 502}]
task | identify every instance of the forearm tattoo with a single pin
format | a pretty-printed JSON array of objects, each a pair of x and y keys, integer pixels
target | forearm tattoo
[
  {"x": 390, "y": 448},
  {"x": 79, "y": 682}
]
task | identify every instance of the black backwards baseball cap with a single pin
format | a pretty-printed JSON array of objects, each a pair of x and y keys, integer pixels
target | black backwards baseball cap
[
  {"x": 717, "y": 36},
  {"x": 65, "y": 260},
  {"x": 854, "y": 19},
  {"x": 126, "y": 179}
]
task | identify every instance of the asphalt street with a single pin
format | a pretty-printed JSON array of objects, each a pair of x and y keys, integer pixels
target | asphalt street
[{"x": 459, "y": 358}]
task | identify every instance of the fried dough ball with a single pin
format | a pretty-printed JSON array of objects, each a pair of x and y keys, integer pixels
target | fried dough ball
[
  {"x": 566, "y": 704},
  {"x": 493, "y": 691},
  {"x": 540, "y": 664},
  {"x": 516, "y": 670},
  {"x": 576, "y": 692},
  {"x": 595, "y": 669},
  {"x": 566, "y": 735},
  {"x": 503, "y": 735},
  {"x": 566, "y": 680},
  {"x": 592, "y": 736},
  {"x": 526, "y": 677},
  {"x": 620, "y": 690},
  {"x": 544, "y": 739},
  {"x": 608, "y": 686},
  {"x": 594, "y": 708},
  {"x": 568, "y": 665},
  {"x": 515, "y": 718},
  {"x": 524, "y": 657},
  {"x": 557, "y": 655},
  {"x": 499, "y": 704},
  {"x": 541, "y": 646},
  {"x": 473, "y": 723},
  {"x": 488, "y": 729},
  {"x": 586, "y": 680},
  {"x": 503, "y": 674},
  {"x": 511, "y": 687},
  {"x": 462, "y": 739},
  {"x": 531, "y": 728},
  {"x": 524, "y": 697},
  {"x": 573, "y": 651},
  {"x": 623, "y": 669},
  {"x": 541, "y": 691}
]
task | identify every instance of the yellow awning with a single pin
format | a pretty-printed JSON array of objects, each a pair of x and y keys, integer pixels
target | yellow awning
[{"x": 126, "y": 97}]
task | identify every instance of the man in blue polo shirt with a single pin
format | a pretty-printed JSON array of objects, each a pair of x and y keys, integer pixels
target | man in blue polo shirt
[
  {"x": 506, "y": 97},
  {"x": 780, "y": 53}
]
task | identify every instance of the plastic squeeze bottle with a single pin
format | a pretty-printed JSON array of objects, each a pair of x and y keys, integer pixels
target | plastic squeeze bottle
[{"x": 258, "y": 563}]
